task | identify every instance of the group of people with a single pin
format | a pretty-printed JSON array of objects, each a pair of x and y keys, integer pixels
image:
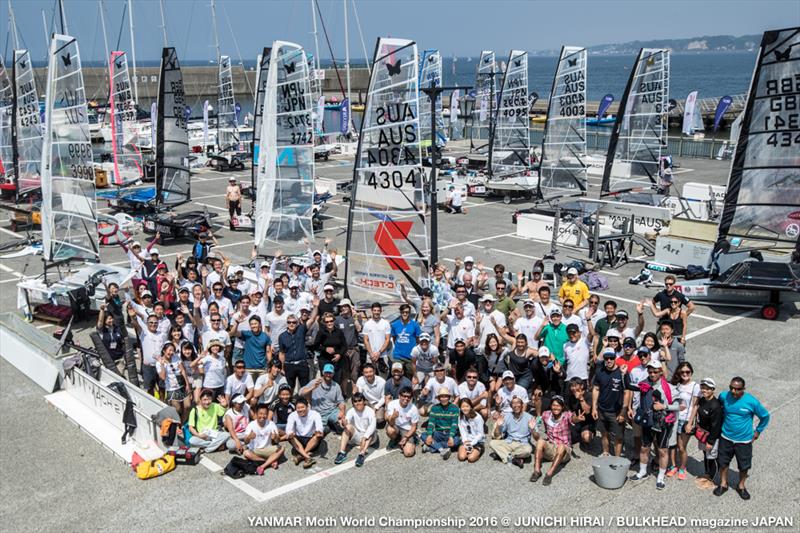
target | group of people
[{"x": 260, "y": 359}]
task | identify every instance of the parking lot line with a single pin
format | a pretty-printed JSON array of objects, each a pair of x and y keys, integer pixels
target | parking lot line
[
  {"x": 719, "y": 323},
  {"x": 9, "y": 232}
]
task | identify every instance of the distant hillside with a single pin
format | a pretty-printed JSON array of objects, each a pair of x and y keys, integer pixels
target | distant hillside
[{"x": 713, "y": 43}]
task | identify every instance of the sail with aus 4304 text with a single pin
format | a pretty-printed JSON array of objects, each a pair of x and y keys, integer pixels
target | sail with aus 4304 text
[
  {"x": 69, "y": 211},
  {"x": 762, "y": 204},
  {"x": 387, "y": 229}
]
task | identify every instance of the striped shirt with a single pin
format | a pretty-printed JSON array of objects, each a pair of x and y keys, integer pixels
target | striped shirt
[{"x": 444, "y": 419}]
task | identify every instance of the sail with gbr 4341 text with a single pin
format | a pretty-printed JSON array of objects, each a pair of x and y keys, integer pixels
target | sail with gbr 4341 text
[
  {"x": 69, "y": 211},
  {"x": 387, "y": 227}
]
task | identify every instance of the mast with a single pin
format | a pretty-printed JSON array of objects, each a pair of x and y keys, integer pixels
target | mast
[
  {"x": 13, "y": 25},
  {"x": 347, "y": 56},
  {"x": 133, "y": 52},
  {"x": 316, "y": 40},
  {"x": 163, "y": 22},
  {"x": 216, "y": 33},
  {"x": 64, "y": 29},
  {"x": 103, "y": 26}
]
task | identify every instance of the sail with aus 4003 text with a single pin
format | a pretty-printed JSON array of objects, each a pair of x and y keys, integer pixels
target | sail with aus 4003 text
[
  {"x": 762, "y": 203},
  {"x": 172, "y": 136},
  {"x": 124, "y": 138},
  {"x": 387, "y": 227},
  {"x": 640, "y": 130},
  {"x": 430, "y": 75},
  {"x": 258, "y": 112},
  {"x": 511, "y": 144},
  {"x": 29, "y": 129},
  {"x": 285, "y": 196},
  {"x": 227, "y": 127},
  {"x": 69, "y": 211},
  {"x": 563, "y": 171}
]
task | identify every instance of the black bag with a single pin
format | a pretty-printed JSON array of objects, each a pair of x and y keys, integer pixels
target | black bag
[
  {"x": 239, "y": 467},
  {"x": 695, "y": 272},
  {"x": 128, "y": 417}
]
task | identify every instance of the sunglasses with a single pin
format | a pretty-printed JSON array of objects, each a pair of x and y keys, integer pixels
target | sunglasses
[
  {"x": 674, "y": 302},
  {"x": 329, "y": 321},
  {"x": 472, "y": 377},
  {"x": 736, "y": 389},
  {"x": 213, "y": 321},
  {"x": 217, "y": 290},
  {"x": 405, "y": 396},
  {"x": 669, "y": 284},
  {"x": 568, "y": 306},
  {"x": 653, "y": 371},
  {"x": 291, "y": 323},
  {"x": 686, "y": 372}
]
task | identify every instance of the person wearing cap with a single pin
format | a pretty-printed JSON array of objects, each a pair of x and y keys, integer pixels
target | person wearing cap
[
  {"x": 328, "y": 304},
  {"x": 441, "y": 435},
  {"x": 621, "y": 329},
  {"x": 530, "y": 287},
  {"x": 579, "y": 402},
  {"x": 149, "y": 270},
  {"x": 468, "y": 266},
  {"x": 658, "y": 407},
  {"x": 706, "y": 426},
  {"x": 556, "y": 444},
  {"x": 262, "y": 440},
  {"x": 214, "y": 369},
  {"x": 183, "y": 305},
  {"x": 402, "y": 418},
  {"x": 239, "y": 383},
  {"x": 151, "y": 341},
  {"x": 202, "y": 246},
  {"x": 203, "y": 422},
  {"x": 326, "y": 398},
  {"x": 462, "y": 359},
  {"x": 511, "y": 435},
  {"x": 526, "y": 324},
  {"x": 423, "y": 358},
  {"x": 232, "y": 291},
  {"x": 372, "y": 386},
  {"x": 268, "y": 384},
  {"x": 395, "y": 383},
  {"x": 636, "y": 375},
  {"x": 405, "y": 332},
  {"x": 429, "y": 393},
  {"x": 575, "y": 289},
  {"x": 608, "y": 402},
  {"x": 257, "y": 343},
  {"x": 377, "y": 335},
  {"x": 350, "y": 326},
  {"x": 233, "y": 198},
  {"x": 548, "y": 379},
  {"x": 136, "y": 257},
  {"x": 629, "y": 359},
  {"x": 235, "y": 422},
  {"x": 304, "y": 430},
  {"x": 737, "y": 435},
  {"x": 577, "y": 355},
  {"x": 569, "y": 316},
  {"x": 331, "y": 346},
  {"x": 506, "y": 394},
  {"x": 472, "y": 390},
  {"x": 359, "y": 430},
  {"x": 489, "y": 320},
  {"x": 455, "y": 202},
  {"x": 553, "y": 334}
]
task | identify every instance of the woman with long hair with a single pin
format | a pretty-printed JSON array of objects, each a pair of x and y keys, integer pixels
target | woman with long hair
[
  {"x": 689, "y": 393},
  {"x": 494, "y": 361},
  {"x": 188, "y": 356},
  {"x": 677, "y": 314},
  {"x": 429, "y": 322},
  {"x": 176, "y": 381},
  {"x": 470, "y": 428},
  {"x": 176, "y": 337}
]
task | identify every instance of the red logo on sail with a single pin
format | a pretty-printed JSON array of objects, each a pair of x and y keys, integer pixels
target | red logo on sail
[{"x": 389, "y": 231}]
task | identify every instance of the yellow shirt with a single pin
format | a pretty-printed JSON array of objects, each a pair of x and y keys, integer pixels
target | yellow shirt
[{"x": 577, "y": 292}]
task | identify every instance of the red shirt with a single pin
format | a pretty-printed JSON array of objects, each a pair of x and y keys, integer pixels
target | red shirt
[{"x": 631, "y": 363}]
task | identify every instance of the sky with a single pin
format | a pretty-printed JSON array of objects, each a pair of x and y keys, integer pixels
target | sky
[{"x": 460, "y": 27}]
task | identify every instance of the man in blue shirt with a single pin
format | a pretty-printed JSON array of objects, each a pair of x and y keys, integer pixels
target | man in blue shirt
[
  {"x": 511, "y": 436},
  {"x": 404, "y": 334},
  {"x": 739, "y": 408},
  {"x": 257, "y": 344}
]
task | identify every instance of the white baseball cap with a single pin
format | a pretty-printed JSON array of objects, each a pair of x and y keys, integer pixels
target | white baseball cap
[
  {"x": 469, "y": 259},
  {"x": 153, "y": 251},
  {"x": 572, "y": 271},
  {"x": 508, "y": 374}
]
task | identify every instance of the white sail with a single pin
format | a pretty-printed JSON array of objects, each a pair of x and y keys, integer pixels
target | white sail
[
  {"x": 173, "y": 185},
  {"x": 485, "y": 90},
  {"x": 689, "y": 110},
  {"x": 640, "y": 131},
  {"x": 28, "y": 167},
  {"x": 387, "y": 230},
  {"x": 563, "y": 171},
  {"x": 69, "y": 214},
  {"x": 258, "y": 111},
  {"x": 124, "y": 138},
  {"x": 511, "y": 144},
  {"x": 227, "y": 134},
  {"x": 6, "y": 110},
  {"x": 285, "y": 197},
  {"x": 430, "y": 75}
]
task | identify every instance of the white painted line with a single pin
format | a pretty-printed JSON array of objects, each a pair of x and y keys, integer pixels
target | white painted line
[
  {"x": 43, "y": 326},
  {"x": 9, "y": 232},
  {"x": 628, "y": 300},
  {"x": 474, "y": 240},
  {"x": 173, "y": 254},
  {"x": 224, "y": 209},
  {"x": 725, "y": 322},
  {"x": 11, "y": 271},
  {"x": 4, "y": 268}
]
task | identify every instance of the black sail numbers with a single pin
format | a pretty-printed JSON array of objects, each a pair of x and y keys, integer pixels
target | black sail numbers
[{"x": 395, "y": 147}]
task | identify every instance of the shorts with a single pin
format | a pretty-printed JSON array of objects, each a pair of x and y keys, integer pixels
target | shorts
[
  {"x": 743, "y": 451},
  {"x": 608, "y": 424},
  {"x": 355, "y": 440},
  {"x": 177, "y": 395},
  {"x": 637, "y": 430},
  {"x": 150, "y": 377},
  {"x": 266, "y": 452},
  {"x": 660, "y": 438},
  {"x": 578, "y": 429},
  {"x": 197, "y": 382},
  {"x": 550, "y": 450}
]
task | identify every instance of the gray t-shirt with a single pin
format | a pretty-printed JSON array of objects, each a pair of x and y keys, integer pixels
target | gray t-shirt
[
  {"x": 270, "y": 393},
  {"x": 348, "y": 327},
  {"x": 677, "y": 355},
  {"x": 326, "y": 398}
]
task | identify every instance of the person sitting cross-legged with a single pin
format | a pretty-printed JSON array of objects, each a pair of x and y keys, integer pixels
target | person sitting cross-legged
[
  {"x": 262, "y": 440},
  {"x": 402, "y": 418},
  {"x": 512, "y": 434},
  {"x": 304, "y": 431},
  {"x": 359, "y": 430},
  {"x": 204, "y": 423},
  {"x": 441, "y": 435}
]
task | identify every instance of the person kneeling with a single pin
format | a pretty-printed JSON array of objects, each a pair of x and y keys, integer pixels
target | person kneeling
[
  {"x": 359, "y": 430},
  {"x": 262, "y": 440},
  {"x": 555, "y": 445},
  {"x": 442, "y": 433}
]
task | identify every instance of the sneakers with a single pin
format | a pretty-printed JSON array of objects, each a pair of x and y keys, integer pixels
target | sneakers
[
  {"x": 260, "y": 470},
  {"x": 308, "y": 463},
  {"x": 446, "y": 454},
  {"x": 681, "y": 474},
  {"x": 535, "y": 476},
  {"x": 340, "y": 458},
  {"x": 297, "y": 459},
  {"x": 672, "y": 471},
  {"x": 743, "y": 494},
  {"x": 660, "y": 484},
  {"x": 360, "y": 459},
  {"x": 547, "y": 480},
  {"x": 638, "y": 476}
]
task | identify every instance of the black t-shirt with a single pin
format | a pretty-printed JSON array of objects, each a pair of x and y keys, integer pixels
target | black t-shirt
[
  {"x": 662, "y": 298},
  {"x": 574, "y": 406},
  {"x": 326, "y": 307},
  {"x": 612, "y": 386},
  {"x": 519, "y": 365},
  {"x": 463, "y": 363},
  {"x": 281, "y": 411}
]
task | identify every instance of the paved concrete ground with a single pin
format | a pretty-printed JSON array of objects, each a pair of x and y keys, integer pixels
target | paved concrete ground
[{"x": 55, "y": 477}]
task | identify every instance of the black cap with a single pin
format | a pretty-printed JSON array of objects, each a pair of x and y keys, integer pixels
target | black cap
[
  {"x": 278, "y": 299},
  {"x": 629, "y": 341},
  {"x": 573, "y": 328}
]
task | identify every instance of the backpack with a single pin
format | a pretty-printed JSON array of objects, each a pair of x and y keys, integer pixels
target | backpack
[
  {"x": 646, "y": 416},
  {"x": 595, "y": 281}
]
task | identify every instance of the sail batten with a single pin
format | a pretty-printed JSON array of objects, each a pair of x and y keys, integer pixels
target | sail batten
[
  {"x": 172, "y": 136},
  {"x": 640, "y": 130},
  {"x": 69, "y": 214},
  {"x": 511, "y": 142},
  {"x": 285, "y": 197},
  {"x": 387, "y": 231},
  {"x": 124, "y": 139},
  {"x": 762, "y": 203}
]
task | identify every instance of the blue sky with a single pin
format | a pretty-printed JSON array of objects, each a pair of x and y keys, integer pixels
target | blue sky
[{"x": 463, "y": 27}]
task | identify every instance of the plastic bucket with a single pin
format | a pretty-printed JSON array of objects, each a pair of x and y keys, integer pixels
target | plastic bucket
[{"x": 610, "y": 472}]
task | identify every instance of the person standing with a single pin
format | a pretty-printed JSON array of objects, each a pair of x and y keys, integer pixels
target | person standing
[
  {"x": 405, "y": 333},
  {"x": 608, "y": 401},
  {"x": 707, "y": 427},
  {"x": 233, "y": 198},
  {"x": 737, "y": 438}
]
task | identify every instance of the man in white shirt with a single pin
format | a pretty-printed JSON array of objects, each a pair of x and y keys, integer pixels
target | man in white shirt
[
  {"x": 304, "y": 431},
  {"x": 242, "y": 316},
  {"x": 509, "y": 391},
  {"x": 371, "y": 386},
  {"x": 427, "y": 397},
  {"x": 359, "y": 430},
  {"x": 576, "y": 354},
  {"x": 377, "y": 334},
  {"x": 295, "y": 299},
  {"x": 268, "y": 384},
  {"x": 569, "y": 317},
  {"x": 225, "y": 305},
  {"x": 402, "y": 418},
  {"x": 492, "y": 321},
  {"x": 151, "y": 341},
  {"x": 455, "y": 201},
  {"x": 261, "y": 438},
  {"x": 545, "y": 305},
  {"x": 528, "y": 324},
  {"x": 475, "y": 392},
  {"x": 276, "y": 321},
  {"x": 239, "y": 383},
  {"x": 459, "y": 327},
  {"x": 217, "y": 331}
]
